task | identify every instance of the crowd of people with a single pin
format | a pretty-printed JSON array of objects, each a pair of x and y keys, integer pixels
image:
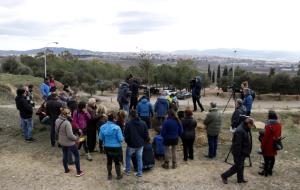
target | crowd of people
[{"x": 75, "y": 124}]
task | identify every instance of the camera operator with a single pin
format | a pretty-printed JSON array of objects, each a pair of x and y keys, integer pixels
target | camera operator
[
  {"x": 241, "y": 149},
  {"x": 196, "y": 92},
  {"x": 238, "y": 112}
]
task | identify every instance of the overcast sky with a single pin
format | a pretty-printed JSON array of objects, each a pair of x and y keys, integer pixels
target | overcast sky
[{"x": 133, "y": 25}]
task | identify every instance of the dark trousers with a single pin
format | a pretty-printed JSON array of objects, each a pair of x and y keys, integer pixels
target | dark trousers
[
  {"x": 147, "y": 121},
  {"x": 188, "y": 151},
  {"x": 52, "y": 131},
  {"x": 133, "y": 102},
  {"x": 269, "y": 163},
  {"x": 113, "y": 154},
  {"x": 160, "y": 120},
  {"x": 73, "y": 149},
  {"x": 196, "y": 100},
  {"x": 101, "y": 148},
  {"x": 237, "y": 168},
  {"x": 85, "y": 147},
  {"x": 91, "y": 138},
  {"x": 212, "y": 145},
  {"x": 248, "y": 113}
]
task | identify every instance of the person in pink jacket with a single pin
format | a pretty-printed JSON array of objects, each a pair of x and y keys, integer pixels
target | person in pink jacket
[{"x": 79, "y": 123}]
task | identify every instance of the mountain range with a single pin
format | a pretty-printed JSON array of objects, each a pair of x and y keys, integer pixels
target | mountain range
[{"x": 238, "y": 53}]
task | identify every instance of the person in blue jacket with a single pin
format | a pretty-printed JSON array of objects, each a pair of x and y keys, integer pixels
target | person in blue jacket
[
  {"x": 161, "y": 108},
  {"x": 45, "y": 89},
  {"x": 248, "y": 101},
  {"x": 171, "y": 131},
  {"x": 112, "y": 138},
  {"x": 145, "y": 111},
  {"x": 158, "y": 146}
]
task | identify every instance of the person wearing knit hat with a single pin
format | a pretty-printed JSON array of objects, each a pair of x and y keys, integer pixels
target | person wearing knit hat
[
  {"x": 213, "y": 123},
  {"x": 239, "y": 111}
]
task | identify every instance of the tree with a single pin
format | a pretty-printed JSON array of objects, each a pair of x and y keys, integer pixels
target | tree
[
  {"x": 145, "y": 65},
  {"x": 282, "y": 83},
  {"x": 298, "y": 73},
  {"x": 209, "y": 71},
  {"x": 10, "y": 65},
  {"x": 219, "y": 72},
  {"x": 91, "y": 89},
  {"x": 272, "y": 72},
  {"x": 213, "y": 77},
  {"x": 225, "y": 71},
  {"x": 105, "y": 85}
]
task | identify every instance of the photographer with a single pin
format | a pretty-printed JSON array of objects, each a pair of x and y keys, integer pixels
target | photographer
[
  {"x": 241, "y": 149},
  {"x": 236, "y": 116},
  {"x": 196, "y": 92}
]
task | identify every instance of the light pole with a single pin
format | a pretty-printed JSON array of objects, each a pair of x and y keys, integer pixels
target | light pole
[{"x": 45, "y": 56}]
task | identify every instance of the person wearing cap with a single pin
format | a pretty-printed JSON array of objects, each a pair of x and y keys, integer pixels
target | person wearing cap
[
  {"x": 213, "y": 123},
  {"x": 67, "y": 140},
  {"x": 248, "y": 101},
  {"x": 241, "y": 148},
  {"x": 239, "y": 111},
  {"x": 26, "y": 111}
]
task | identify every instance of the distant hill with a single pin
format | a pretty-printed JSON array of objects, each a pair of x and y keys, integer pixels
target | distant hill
[{"x": 241, "y": 53}]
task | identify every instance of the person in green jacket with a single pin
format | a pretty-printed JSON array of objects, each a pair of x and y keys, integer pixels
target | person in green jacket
[{"x": 213, "y": 123}]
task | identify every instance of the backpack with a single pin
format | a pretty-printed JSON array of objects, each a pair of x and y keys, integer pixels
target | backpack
[
  {"x": 253, "y": 94},
  {"x": 123, "y": 91}
]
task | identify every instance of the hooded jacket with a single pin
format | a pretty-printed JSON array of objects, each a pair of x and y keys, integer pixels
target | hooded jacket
[
  {"x": 111, "y": 135},
  {"x": 272, "y": 132},
  {"x": 213, "y": 122},
  {"x": 64, "y": 130},
  {"x": 24, "y": 107},
  {"x": 45, "y": 90},
  {"x": 248, "y": 101},
  {"x": 161, "y": 106},
  {"x": 123, "y": 93},
  {"x": 136, "y": 133},
  {"x": 144, "y": 108},
  {"x": 80, "y": 120}
]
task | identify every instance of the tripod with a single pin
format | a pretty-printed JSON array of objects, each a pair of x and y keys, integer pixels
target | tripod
[{"x": 232, "y": 96}]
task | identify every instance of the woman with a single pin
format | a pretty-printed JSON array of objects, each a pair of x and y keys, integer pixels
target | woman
[
  {"x": 67, "y": 140},
  {"x": 79, "y": 122},
  {"x": 121, "y": 117},
  {"x": 170, "y": 132},
  {"x": 272, "y": 133},
  {"x": 101, "y": 111},
  {"x": 112, "y": 138},
  {"x": 92, "y": 124},
  {"x": 189, "y": 125}
]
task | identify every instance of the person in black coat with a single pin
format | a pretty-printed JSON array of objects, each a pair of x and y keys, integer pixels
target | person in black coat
[
  {"x": 240, "y": 111},
  {"x": 53, "y": 106},
  {"x": 189, "y": 125},
  {"x": 26, "y": 112},
  {"x": 240, "y": 149},
  {"x": 134, "y": 88}
]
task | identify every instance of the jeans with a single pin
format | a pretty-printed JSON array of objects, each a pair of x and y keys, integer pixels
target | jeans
[
  {"x": 125, "y": 107},
  {"x": 73, "y": 149},
  {"x": 139, "y": 157},
  {"x": 212, "y": 145},
  {"x": 147, "y": 120},
  {"x": 188, "y": 151},
  {"x": 196, "y": 99},
  {"x": 27, "y": 125},
  {"x": 237, "y": 168}
]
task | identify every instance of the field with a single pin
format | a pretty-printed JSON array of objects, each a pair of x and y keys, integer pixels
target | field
[{"x": 38, "y": 166}]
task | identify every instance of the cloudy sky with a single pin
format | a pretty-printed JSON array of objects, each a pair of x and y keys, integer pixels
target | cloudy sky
[{"x": 133, "y": 25}]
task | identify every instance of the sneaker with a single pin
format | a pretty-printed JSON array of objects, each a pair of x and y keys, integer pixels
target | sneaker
[
  {"x": 138, "y": 175},
  {"x": 174, "y": 165},
  {"x": 119, "y": 177},
  {"x": 224, "y": 180},
  {"x": 165, "y": 165},
  {"x": 109, "y": 177},
  {"x": 89, "y": 157},
  {"x": 80, "y": 174},
  {"x": 68, "y": 171},
  {"x": 30, "y": 140},
  {"x": 126, "y": 172}
]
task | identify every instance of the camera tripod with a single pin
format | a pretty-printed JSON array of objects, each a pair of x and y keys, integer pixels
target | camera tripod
[{"x": 232, "y": 96}]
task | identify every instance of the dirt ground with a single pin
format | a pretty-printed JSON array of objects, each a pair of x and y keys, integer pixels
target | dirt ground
[{"x": 38, "y": 166}]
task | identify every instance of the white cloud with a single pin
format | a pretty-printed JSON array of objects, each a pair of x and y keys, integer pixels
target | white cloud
[{"x": 123, "y": 25}]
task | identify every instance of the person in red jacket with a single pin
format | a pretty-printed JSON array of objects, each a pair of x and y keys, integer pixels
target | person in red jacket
[{"x": 272, "y": 133}]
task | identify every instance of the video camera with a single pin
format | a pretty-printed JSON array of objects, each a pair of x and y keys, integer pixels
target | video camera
[{"x": 233, "y": 88}]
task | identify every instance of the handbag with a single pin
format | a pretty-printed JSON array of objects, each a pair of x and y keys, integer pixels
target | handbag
[{"x": 277, "y": 143}]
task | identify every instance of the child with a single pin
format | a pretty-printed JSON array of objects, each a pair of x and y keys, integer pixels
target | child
[{"x": 158, "y": 147}]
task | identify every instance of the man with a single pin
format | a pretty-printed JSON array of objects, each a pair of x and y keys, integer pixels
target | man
[
  {"x": 26, "y": 112},
  {"x": 161, "y": 108},
  {"x": 136, "y": 134},
  {"x": 213, "y": 123},
  {"x": 236, "y": 118},
  {"x": 240, "y": 149},
  {"x": 196, "y": 93},
  {"x": 29, "y": 94},
  {"x": 53, "y": 106},
  {"x": 134, "y": 88},
  {"x": 145, "y": 111},
  {"x": 248, "y": 101},
  {"x": 124, "y": 96},
  {"x": 45, "y": 89}
]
